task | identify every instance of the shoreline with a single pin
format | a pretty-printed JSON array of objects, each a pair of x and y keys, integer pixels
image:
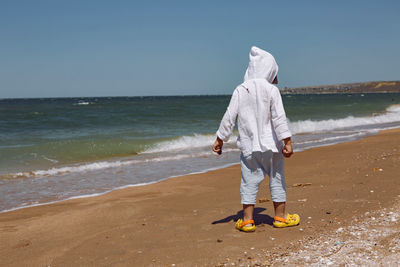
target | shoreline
[
  {"x": 158, "y": 181},
  {"x": 23, "y": 206},
  {"x": 189, "y": 221},
  {"x": 30, "y": 174},
  {"x": 115, "y": 189}
]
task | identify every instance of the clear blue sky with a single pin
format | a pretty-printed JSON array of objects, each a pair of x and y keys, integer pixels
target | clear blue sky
[{"x": 127, "y": 48}]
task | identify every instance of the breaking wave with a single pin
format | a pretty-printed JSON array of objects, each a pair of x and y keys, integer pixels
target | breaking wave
[
  {"x": 309, "y": 126},
  {"x": 305, "y": 126},
  {"x": 105, "y": 165},
  {"x": 82, "y": 103},
  {"x": 186, "y": 142},
  {"x": 194, "y": 145}
]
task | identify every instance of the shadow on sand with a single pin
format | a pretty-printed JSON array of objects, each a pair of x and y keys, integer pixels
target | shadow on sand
[{"x": 258, "y": 217}]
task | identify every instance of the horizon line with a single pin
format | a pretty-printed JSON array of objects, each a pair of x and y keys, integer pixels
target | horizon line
[{"x": 115, "y": 96}]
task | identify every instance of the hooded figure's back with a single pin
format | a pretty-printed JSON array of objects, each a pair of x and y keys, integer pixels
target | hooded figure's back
[{"x": 257, "y": 105}]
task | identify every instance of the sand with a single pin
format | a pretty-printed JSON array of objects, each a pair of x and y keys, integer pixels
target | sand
[{"x": 348, "y": 205}]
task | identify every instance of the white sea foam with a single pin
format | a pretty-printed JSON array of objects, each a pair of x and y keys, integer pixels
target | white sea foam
[
  {"x": 186, "y": 142},
  {"x": 51, "y": 160},
  {"x": 304, "y": 126},
  {"x": 335, "y": 138},
  {"x": 310, "y": 126},
  {"x": 394, "y": 108},
  {"x": 79, "y": 103},
  {"x": 107, "y": 164}
]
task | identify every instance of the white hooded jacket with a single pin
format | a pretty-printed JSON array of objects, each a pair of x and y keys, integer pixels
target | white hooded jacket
[{"x": 258, "y": 107}]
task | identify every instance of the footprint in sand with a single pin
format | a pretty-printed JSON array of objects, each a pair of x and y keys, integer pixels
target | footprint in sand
[{"x": 22, "y": 243}]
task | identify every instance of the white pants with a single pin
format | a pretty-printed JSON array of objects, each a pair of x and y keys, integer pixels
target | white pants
[{"x": 254, "y": 168}]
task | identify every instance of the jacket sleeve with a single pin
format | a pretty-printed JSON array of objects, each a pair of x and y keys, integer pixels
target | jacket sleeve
[
  {"x": 278, "y": 115},
  {"x": 228, "y": 121}
]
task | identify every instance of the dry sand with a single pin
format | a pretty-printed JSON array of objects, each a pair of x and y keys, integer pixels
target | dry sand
[{"x": 349, "y": 210}]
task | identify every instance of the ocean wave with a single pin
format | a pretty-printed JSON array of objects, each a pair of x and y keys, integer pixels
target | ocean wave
[
  {"x": 80, "y": 103},
  {"x": 394, "y": 108},
  {"x": 51, "y": 160},
  {"x": 186, "y": 142},
  {"x": 335, "y": 138},
  {"x": 95, "y": 166},
  {"x": 190, "y": 146},
  {"x": 309, "y": 126},
  {"x": 298, "y": 127}
]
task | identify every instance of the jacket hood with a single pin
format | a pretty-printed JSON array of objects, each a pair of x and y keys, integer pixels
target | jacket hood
[{"x": 262, "y": 65}]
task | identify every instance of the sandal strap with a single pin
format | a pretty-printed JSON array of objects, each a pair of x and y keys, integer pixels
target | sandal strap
[
  {"x": 280, "y": 219},
  {"x": 246, "y": 222},
  {"x": 290, "y": 216}
]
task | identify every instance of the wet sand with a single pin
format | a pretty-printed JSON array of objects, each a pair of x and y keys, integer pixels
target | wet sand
[{"x": 189, "y": 220}]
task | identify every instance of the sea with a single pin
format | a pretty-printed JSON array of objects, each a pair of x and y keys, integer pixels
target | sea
[{"x": 52, "y": 149}]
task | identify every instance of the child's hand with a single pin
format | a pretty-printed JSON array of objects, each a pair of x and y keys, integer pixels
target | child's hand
[
  {"x": 217, "y": 147},
  {"x": 287, "y": 150}
]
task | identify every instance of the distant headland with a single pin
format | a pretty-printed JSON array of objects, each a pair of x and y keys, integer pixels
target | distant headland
[{"x": 346, "y": 88}]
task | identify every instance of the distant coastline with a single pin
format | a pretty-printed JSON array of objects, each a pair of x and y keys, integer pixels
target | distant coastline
[{"x": 346, "y": 88}]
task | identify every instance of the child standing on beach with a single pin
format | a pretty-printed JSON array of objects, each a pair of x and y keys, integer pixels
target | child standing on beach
[{"x": 264, "y": 138}]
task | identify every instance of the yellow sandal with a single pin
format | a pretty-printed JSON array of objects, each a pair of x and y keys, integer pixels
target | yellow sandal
[
  {"x": 291, "y": 220},
  {"x": 241, "y": 225}
]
